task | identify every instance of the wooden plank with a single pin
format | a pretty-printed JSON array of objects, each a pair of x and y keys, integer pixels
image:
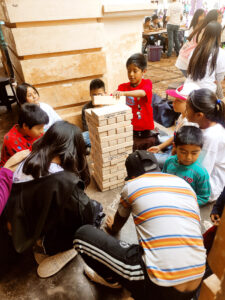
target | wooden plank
[
  {"x": 47, "y": 10},
  {"x": 16, "y": 66},
  {"x": 63, "y": 94},
  {"x": 210, "y": 287},
  {"x": 108, "y": 100},
  {"x": 8, "y": 36},
  {"x": 72, "y": 115},
  {"x": 216, "y": 258},
  {"x": 61, "y": 38},
  {"x": 66, "y": 67}
]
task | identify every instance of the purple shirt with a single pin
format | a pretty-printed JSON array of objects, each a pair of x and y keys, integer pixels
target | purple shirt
[{"x": 6, "y": 179}]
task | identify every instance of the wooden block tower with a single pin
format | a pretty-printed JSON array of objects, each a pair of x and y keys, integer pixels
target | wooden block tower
[{"x": 111, "y": 136}]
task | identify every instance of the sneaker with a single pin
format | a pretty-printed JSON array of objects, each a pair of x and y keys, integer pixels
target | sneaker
[
  {"x": 53, "y": 264},
  {"x": 93, "y": 276}
]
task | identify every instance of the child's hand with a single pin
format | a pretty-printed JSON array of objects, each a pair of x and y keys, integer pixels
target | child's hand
[
  {"x": 154, "y": 149},
  {"x": 117, "y": 94},
  {"x": 215, "y": 219},
  {"x": 109, "y": 222}
]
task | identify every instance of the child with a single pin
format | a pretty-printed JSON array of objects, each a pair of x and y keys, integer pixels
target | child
[
  {"x": 208, "y": 112},
  {"x": 97, "y": 88},
  {"x": 207, "y": 63},
  {"x": 179, "y": 105},
  {"x": 21, "y": 136},
  {"x": 138, "y": 92},
  {"x": 188, "y": 142},
  {"x": 54, "y": 203},
  {"x": 27, "y": 93},
  {"x": 194, "y": 38}
]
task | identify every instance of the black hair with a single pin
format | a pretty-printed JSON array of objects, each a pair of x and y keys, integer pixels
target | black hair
[
  {"x": 21, "y": 92},
  {"x": 197, "y": 14},
  {"x": 205, "y": 101},
  {"x": 138, "y": 59},
  {"x": 189, "y": 135},
  {"x": 147, "y": 19},
  {"x": 97, "y": 84},
  {"x": 154, "y": 17},
  {"x": 32, "y": 115},
  {"x": 63, "y": 140}
]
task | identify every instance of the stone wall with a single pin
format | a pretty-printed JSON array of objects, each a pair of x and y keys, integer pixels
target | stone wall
[{"x": 60, "y": 46}]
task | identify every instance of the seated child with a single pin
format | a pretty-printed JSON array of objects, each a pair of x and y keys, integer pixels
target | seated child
[
  {"x": 208, "y": 112},
  {"x": 27, "y": 93},
  {"x": 21, "y": 136},
  {"x": 179, "y": 105},
  {"x": 97, "y": 88},
  {"x": 188, "y": 142},
  {"x": 138, "y": 92}
]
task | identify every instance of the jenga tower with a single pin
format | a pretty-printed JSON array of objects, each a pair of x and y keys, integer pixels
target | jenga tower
[{"x": 111, "y": 136}]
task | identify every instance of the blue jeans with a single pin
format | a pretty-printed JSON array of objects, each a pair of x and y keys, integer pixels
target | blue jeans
[
  {"x": 172, "y": 32},
  {"x": 86, "y": 138}
]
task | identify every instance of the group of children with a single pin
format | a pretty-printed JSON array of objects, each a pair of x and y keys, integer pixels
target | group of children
[{"x": 58, "y": 148}]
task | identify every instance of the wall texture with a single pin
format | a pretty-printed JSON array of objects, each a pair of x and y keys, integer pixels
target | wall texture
[{"x": 60, "y": 46}]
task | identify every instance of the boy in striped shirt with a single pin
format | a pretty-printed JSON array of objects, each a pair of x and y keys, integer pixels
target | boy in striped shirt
[{"x": 169, "y": 261}]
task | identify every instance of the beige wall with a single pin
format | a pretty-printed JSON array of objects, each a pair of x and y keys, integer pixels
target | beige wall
[{"x": 60, "y": 46}]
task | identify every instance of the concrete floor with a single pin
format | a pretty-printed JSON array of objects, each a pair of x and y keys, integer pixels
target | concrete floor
[{"x": 22, "y": 282}]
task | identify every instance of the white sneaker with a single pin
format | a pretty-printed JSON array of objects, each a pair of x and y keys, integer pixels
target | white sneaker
[
  {"x": 53, "y": 264},
  {"x": 93, "y": 276}
]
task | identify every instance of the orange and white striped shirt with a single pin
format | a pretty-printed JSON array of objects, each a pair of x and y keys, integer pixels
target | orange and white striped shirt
[{"x": 167, "y": 219}]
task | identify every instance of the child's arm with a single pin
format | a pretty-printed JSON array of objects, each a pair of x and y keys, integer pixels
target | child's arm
[
  {"x": 135, "y": 93},
  {"x": 156, "y": 149},
  {"x": 203, "y": 190},
  {"x": 218, "y": 209}
]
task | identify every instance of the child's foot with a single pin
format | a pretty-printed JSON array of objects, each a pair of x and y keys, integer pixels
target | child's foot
[{"x": 93, "y": 276}]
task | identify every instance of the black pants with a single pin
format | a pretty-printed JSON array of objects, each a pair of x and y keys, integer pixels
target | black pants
[{"x": 112, "y": 258}]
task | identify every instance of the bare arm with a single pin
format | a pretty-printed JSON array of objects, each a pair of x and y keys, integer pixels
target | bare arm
[
  {"x": 114, "y": 224},
  {"x": 135, "y": 93},
  {"x": 156, "y": 149}
]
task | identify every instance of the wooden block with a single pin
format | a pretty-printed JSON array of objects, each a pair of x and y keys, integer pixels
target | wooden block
[
  {"x": 111, "y": 121},
  {"x": 113, "y": 126},
  {"x": 111, "y": 132},
  {"x": 113, "y": 186},
  {"x": 121, "y": 150},
  {"x": 122, "y": 140},
  {"x": 114, "y": 178},
  {"x": 129, "y": 138},
  {"x": 112, "y": 143},
  {"x": 216, "y": 258},
  {"x": 113, "y": 152},
  {"x": 129, "y": 117},
  {"x": 51, "y": 10},
  {"x": 49, "y": 69},
  {"x": 210, "y": 287},
  {"x": 120, "y": 130},
  {"x": 108, "y": 100},
  {"x": 129, "y": 128},
  {"x": 120, "y": 118},
  {"x": 60, "y": 38},
  {"x": 107, "y": 112}
]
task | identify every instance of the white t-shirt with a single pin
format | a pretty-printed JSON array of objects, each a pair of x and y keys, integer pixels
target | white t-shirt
[
  {"x": 175, "y": 10},
  {"x": 213, "y": 158},
  {"x": 182, "y": 121},
  {"x": 53, "y": 116},
  {"x": 209, "y": 80}
]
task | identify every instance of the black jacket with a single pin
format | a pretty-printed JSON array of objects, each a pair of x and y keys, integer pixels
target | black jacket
[{"x": 53, "y": 206}]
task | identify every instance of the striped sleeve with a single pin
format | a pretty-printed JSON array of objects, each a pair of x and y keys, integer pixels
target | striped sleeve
[{"x": 124, "y": 207}]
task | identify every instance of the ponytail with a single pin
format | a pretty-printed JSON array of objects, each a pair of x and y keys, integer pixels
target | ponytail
[{"x": 206, "y": 102}]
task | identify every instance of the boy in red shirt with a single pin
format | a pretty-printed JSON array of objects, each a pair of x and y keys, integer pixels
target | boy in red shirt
[
  {"x": 138, "y": 92},
  {"x": 22, "y": 135}
]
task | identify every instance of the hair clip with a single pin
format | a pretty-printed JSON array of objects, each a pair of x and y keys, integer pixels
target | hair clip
[{"x": 218, "y": 101}]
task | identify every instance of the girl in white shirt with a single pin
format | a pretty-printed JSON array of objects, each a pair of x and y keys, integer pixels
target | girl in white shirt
[
  {"x": 208, "y": 112},
  {"x": 193, "y": 39},
  {"x": 28, "y": 93},
  {"x": 207, "y": 64}
]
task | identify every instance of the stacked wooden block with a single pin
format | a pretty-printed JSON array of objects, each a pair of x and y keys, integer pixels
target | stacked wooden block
[{"x": 111, "y": 136}]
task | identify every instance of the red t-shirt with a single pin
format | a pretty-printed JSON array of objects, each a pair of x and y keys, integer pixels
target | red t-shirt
[
  {"x": 142, "y": 115},
  {"x": 14, "y": 142}
]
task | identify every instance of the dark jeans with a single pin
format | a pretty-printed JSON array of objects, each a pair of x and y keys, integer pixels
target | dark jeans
[
  {"x": 172, "y": 32},
  {"x": 121, "y": 262}
]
